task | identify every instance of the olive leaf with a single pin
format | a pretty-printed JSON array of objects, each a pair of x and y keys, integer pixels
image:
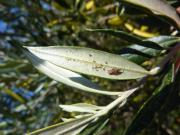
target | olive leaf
[
  {"x": 94, "y": 129},
  {"x": 65, "y": 128},
  {"x": 89, "y": 61},
  {"x": 75, "y": 126},
  {"x": 81, "y": 107},
  {"x": 128, "y": 37},
  {"x": 163, "y": 41},
  {"x": 151, "y": 106},
  {"x": 158, "y": 7},
  {"x": 66, "y": 76}
]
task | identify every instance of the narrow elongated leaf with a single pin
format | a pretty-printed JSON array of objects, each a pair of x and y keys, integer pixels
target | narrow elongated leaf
[
  {"x": 81, "y": 107},
  {"x": 97, "y": 131},
  {"x": 66, "y": 76},
  {"x": 151, "y": 106},
  {"x": 164, "y": 41},
  {"x": 64, "y": 128},
  {"x": 158, "y": 7},
  {"x": 75, "y": 117},
  {"x": 94, "y": 129},
  {"x": 89, "y": 61},
  {"x": 172, "y": 2},
  {"x": 129, "y": 50},
  {"x": 128, "y": 37}
]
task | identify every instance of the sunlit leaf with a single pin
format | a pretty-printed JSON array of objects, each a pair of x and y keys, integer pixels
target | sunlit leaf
[
  {"x": 115, "y": 20},
  {"x": 140, "y": 32},
  {"x": 81, "y": 107},
  {"x": 90, "y": 5},
  {"x": 66, "y": 76},
  {"x": 158, "y": 7},
  {"x": 89, "y": 61},
  {"x": 65, "y": 128}
]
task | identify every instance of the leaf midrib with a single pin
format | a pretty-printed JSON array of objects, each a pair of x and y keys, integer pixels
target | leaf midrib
[{"x": 111, "y": 66}]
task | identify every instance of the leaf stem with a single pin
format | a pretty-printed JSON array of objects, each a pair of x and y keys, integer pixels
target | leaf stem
[
  {"x": 103, "y": 112},
  {"x": 117, "y": 102}
]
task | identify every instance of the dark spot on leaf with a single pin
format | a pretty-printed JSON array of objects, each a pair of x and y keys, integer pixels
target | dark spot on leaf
[
  {"x": 90, "y": 55},
  {"x": 114, "y": 71}
]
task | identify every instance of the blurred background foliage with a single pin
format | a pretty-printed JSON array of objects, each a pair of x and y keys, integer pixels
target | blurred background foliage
[{"x": 29, "y": 100}]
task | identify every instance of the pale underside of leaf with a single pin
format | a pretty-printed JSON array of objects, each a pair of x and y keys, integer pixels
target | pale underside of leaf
[
  {"x": 66, "y": 76},
  {"x": 62, "y": 128},
  {"x": 91, "y": 62},
  {"x": 159, "y": 7},
  {"x": 81, "y": 107}
]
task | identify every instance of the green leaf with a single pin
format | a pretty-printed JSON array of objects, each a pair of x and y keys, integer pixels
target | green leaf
[
  {"x": 94, "y": 129},
  {"x": 151, "y": 106},
  {"x": 158, "y": 7},
  {"x": 89, "y": 61},
  {"x": 79, "y": 4},
  {"x": 172, "y": 2},
  {"x": 63, "y": 3},
  {"x": 65, "y": 128},
  {"x": 65, "y": 76},
  {"x": 101, "y": 126},
  {"x": 81, "y": 107},
  {"x": 164, "y": 41},
  {"x": 3, "y": 124},
  {"x": 128, "y": 37}
]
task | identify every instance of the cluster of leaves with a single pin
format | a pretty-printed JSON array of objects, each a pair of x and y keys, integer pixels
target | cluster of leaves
[{"x": 68, "y": 22}]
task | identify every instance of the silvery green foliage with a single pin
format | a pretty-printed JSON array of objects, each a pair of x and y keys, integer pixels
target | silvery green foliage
[
  {"x": 66, "y": 63},
  {"x": 89, "y": 61},
  {"x": 89, "y": 114}
]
